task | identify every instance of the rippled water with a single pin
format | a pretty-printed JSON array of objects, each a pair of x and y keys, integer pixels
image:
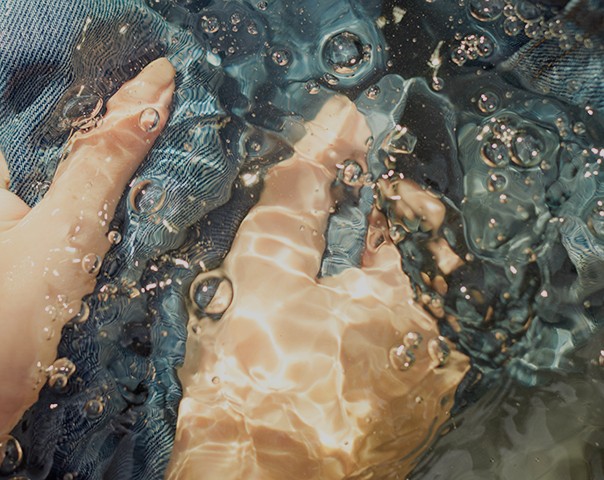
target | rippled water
[{"x": 493, "y": 107}]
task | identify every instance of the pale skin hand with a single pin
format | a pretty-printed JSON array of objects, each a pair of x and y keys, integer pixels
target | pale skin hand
[
  {"x": 296, "y": 380},
  {"x": 44, "y": 251}
]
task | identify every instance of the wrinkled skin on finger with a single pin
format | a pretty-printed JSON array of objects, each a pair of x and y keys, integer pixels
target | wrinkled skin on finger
[
  {"x": 307, "y": 378},
  {"x": 50, "y": 255}
]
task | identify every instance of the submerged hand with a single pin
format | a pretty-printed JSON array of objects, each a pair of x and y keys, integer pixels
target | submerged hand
[
  {"x": 50, "y": 254},
  {"x": 306, "y": 378}
]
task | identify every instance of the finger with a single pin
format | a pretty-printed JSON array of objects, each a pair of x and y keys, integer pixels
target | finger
[
  {"x": 286, "y": 227},
  {"x": 12, "y": 208},
  {"x": 81, "y": 201}
]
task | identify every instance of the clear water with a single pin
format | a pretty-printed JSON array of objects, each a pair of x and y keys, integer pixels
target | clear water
[{"x": 493, "y": 107}]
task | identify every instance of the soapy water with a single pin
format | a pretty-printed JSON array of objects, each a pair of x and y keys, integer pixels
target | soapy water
[{"x": 481, "y": 103}]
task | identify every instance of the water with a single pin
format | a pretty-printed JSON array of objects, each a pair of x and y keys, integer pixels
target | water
[{"x": 484, "y": 152}]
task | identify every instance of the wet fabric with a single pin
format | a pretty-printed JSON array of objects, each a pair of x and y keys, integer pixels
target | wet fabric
[{"x": 248, "y": 74}]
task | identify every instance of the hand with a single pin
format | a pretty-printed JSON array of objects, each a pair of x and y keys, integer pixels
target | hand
[
  {"x": 50, "y": 254},
  {"x": 306, "y": 378}
]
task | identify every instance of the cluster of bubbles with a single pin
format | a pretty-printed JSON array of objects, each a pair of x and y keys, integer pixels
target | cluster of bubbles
[{"x": 472, "y": 47}]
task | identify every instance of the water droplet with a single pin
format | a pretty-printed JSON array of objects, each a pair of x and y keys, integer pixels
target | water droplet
[
  {"x": 528, "y": 11},
  {"x": 252, "y": 28},
  {"x": 485, "y": 46},
  {"x": 212, "y": 293},
  {"x": 437, "y": 84},
  {"x": 280, "y": 57},
  {"x": 495, "y": 153},
  {"x": 372, "y": 92},
  {"x": 486, "y": 10},
  {"x": 512, "y": 26},
  {"x": 114, "y": 237},
  {"x": 527, "y": 149},
  {"x": 595, "y": 220},
  {"x": 82, "y": 314},
  {"x": 11, "y": 454},
  {"x": 59, "y": 373},
  {"x": 496, "y": 182},
  {"x": 351, "y": 173},
  {"x": 235, "y": 18},
  {"x": 209, "y": 24},
  {"x": 91, "y": 263},
  {"x": 439, "y": 351},
  {"x": 330, "y": 79},
  {"x": 215, "y": 380},
  {"x": 312, "y": 87},
  {"x": 459, "y": 56},
  {"x": 401, "y": 358},
  {"x": 94, "y": 408},
  {"x": 413, "y": 339},
  {"x": 148, "y": 120},
  {"x": 147, "y": 197},
  {"x": 344, "y": 53},
  {"x": 488, "y": 102},
  {"x": 262, "y": 5}
]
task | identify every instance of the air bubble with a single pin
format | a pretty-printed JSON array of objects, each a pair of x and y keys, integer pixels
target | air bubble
[
  {"x": 83, "y": 313},
  {"x": 94, "y": 408},
  {"x": 528, "y": 11},
  {"x": 312, "y": 87},
  {"x": 330, "y": 79},
  {"x": 496, "y": 182},
  {"x": 11, "y": 454},
  {"x": 488, "y": 102},
  {"x": 413, "y": 339},
  {"x": 495, "y": 153},
  {"x": 401, "y": 358},
  {"x": 372, "y": 92},
  {"x": 527, "y": 149},
  {"x": 439, "y": 351},
  {"x": 252, "y": 29},
  {"x": 351, "y": 173},
  {"x": 595, "y": 220},
  {"x": 262, "y": 5},
  {"x": 280, "y": 57},
  {"x": 209, "y": 24},
  {"x": 344, "y": 53},
  {"x": 91, "y": 263},
  {"x": 212, "y": 293},
  {"x": 148, "y": 120},
  {"x": 512, "y": 26},
  {"x": 114, "y": 237},
  {"x": 81, "y": 110},
  {"x": 60, "y": 372},
  {"x": 236, "y": 18},
  {"x": 147, "y": 197},
  {"x": 486, "y": 10}
]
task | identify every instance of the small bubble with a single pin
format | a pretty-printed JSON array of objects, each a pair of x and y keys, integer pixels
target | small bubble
[
  {"x": 94, "y": 408},
  {"x": 579, "y": 128},
  {"x": 236, "y": 18},
  {"x": 252, "y": 29},
  {"x": 528, "y": 11},
  {"x": 459, "y": 56},
  {"x": 91, "y": 263},
  {"x": 413, "y": 339},
  {"x": 486, "y": 10},
  {"x": 114, "y": 237},
  {"x": 330, "y": 79},
  {"x": 601, "y": 358},
  {"x": 439, "y": 351},
  {"x": 280, "y": 57},
  {"x": 527, "y": 149},
  {"x": 262, "y": 5},
  {"x": 212, "y": 293},
  {"x": 488, "y": 102},
  {"x": 82, "y": 314},
  {"x": 11, "y": 454},
  {"x": 496, "y": 182},
  {"x": 148, "y": 120},
  {"x": 372, "y": 92},
  {"x": 209, "y": 24},
  {"x": 595, "y": 219},
  {"x": 215, "y": 380},
  {"x": 533, "y": 30},
  {"x": 60, "y": 372},
  {"x": 147, "y": 197},
  {"x": 351, "y": 173},
  {"x": 485, "y": 46},
  {"x": 82, "y": 110},
  {"x": 495, "y": 153},
  {"x": 512, "y": 26},
  {"x": 437, "y": 84},
  {"x": 344, "y": 53},
  {"x": 401, "y": 358},
  {"x": 312, "y": 87}
]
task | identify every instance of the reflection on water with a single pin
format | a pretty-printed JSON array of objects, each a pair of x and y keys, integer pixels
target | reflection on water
[{"x": 480, "y": 166}]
